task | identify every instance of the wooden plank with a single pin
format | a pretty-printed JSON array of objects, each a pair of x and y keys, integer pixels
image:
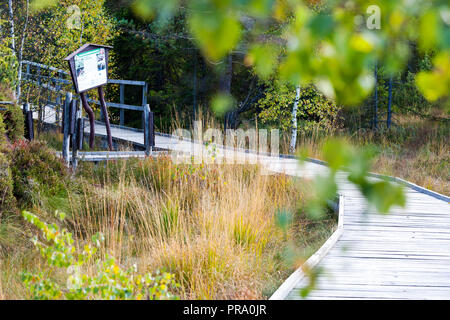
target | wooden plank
[
  {"x": 66, "y": 113},
  {"x": 127, "y": 82}
]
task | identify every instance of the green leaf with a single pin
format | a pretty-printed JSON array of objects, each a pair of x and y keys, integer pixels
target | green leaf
[
  {"x": 263, "y": 58},
  {"x": 384, "y": 195},
  {"x": 215, "y": 32},
  {"x": 337, "y": 153},
  {"x": 321, "y": 25},
  {"x": 222, "y": 103}
]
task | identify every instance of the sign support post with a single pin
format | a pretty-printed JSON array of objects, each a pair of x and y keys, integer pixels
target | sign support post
[
  {"x": 89, "y": 70},
  {"x": 105, "y": 114},
  {"x": 66, "y": 128},
  {"x": 91, "y": 116}
]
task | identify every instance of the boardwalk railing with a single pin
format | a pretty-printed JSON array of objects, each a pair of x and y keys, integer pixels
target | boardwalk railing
[
  {"x": 68, "y": 114},
  {"x": 59, "y": 82}
]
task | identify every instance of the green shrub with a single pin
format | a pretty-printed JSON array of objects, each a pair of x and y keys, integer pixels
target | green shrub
[
  {"x": 2, "y": 133},
  {"x": 36, "y": 170},
  {"x": 314, "y": 109},
  {"x": 7, "y": 200},
  {"x": 14, "y": 121},
  {"x": 108, "y": 281}
]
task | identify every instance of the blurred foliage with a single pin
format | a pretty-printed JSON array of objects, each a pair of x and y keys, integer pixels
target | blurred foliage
[
  {"x": 109, "y": 281},
  {"x": 436, "y": 83},
  {"x": 356, "y": 163},
  {"x": 325, "y": 44},
  {"x": 8, "y": 65},
  {"x": 14, "y": 122},
  {"x": 329, "y": 46},
  {"x": 180, "y": 79}
]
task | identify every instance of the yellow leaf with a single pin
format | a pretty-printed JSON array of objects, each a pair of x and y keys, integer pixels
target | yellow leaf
[{"x": 360, "y": 43}]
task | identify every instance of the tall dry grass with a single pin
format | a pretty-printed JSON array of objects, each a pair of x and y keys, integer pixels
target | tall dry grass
[
  {"x": 213, "y": 226},
  {"x": 414, "y": 149}
]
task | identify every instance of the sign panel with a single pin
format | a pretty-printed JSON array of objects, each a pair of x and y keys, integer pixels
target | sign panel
[{"x": 90, "y": 69}]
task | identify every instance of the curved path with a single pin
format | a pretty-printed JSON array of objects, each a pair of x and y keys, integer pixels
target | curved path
[{"x": 402, "y": 255}]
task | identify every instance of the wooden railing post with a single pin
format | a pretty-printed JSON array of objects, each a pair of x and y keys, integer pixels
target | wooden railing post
[
  {"x": 80, "y": 130},
  {"x": 57, "y": 107},
  {"x": 122, "y": 101},
  {"x": 149, "y": 131},
  {"x": 144, "y": 100},
  {"x": 29, "y": 125},
  {"x": 75, "y": 123},
  {"x": 66, "y": 125},
  {"x": 38, "y": 75},
  {"x": 40, "y": 117},
  {"x": 144, "y": 94},
  {"x": 375, "y": 115}
]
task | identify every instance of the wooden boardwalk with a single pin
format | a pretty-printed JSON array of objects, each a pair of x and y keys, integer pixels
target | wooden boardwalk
[{"x": 402, "y": 255}]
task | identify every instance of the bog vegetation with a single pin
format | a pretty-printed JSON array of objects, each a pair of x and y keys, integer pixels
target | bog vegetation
[
  {"x": 201, "y": 224},
  {"x": 153, "y": 229}
]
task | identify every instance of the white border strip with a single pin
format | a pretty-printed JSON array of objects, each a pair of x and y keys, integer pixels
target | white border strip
[
  {"x": 283, "y": 291},
  {"x": 412, "y": 186},
  {"x": 321, "y": 162}
]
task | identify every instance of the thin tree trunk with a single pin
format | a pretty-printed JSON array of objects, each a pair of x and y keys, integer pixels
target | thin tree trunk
[
  {"x": 225, "y": 88},
  {"x": 13, "y": 41},
  {"x": 11, "y": 21},
  {"x": 225, "y": 80},
  {"x": 294, "y": 121},
  {"x": 101, "y": 96},
  {"x": 19, "y": 84}
]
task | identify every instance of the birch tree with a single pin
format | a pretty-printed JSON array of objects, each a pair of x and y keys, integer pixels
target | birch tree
[
  {"x": 11, "y": 22},
  {"x": 12, "y": 35},
  {"x": 20, "y": 53},
  {"x": 294, "y": 120}
]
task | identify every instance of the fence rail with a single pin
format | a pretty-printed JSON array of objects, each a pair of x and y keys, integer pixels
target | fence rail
[
  {"x": 73, "y": 124},
  {"x": 56, "y": 84}
]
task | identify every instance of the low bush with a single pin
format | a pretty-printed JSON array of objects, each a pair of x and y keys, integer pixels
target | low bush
[
  {"x": 108, "y": 280},
  {"x": 7, "y": 200},
  {"x": 36, "y": 170},
  {"x": 14, "y": 122},
  {"x": 2, "y": 133}
]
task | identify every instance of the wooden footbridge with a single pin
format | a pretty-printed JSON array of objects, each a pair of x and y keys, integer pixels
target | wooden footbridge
[{"x": 402, "y": 255}]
